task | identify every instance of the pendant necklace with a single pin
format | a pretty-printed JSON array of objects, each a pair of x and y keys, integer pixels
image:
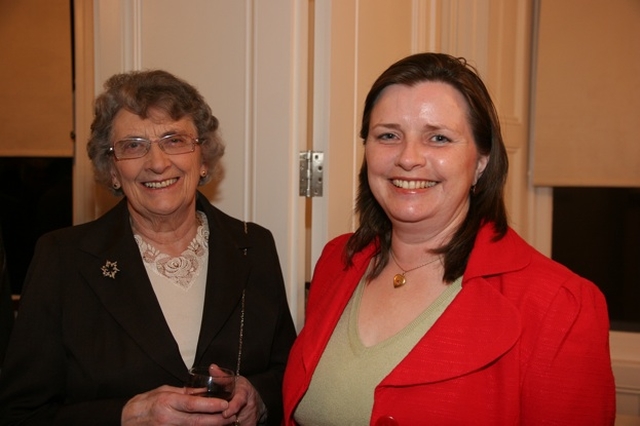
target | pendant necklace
[{"x": 399, "y": 279}]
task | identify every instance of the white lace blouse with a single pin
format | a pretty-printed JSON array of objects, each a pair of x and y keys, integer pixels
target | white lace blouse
[{"x": 179, "y": 284}]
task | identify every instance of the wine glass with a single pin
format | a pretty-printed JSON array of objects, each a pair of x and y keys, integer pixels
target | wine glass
[{"x": 211, "y": 382}]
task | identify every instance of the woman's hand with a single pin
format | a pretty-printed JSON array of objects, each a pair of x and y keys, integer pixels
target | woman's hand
[
  {"x": 246, "y": 405},
  {"x": 168, "y": 405}
]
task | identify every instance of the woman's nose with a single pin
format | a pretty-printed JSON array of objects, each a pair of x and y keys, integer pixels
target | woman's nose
[
  {"x": 411, "y": 154},
  {"x": 157, "y": 159}
]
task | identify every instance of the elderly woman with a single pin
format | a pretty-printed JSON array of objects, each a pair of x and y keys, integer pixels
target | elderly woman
[
  {"x": 115, "y": 312},
  {"x": 435, "y": 312}
]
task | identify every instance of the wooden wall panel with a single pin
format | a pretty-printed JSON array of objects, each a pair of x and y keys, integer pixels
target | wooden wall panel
[
  {"x": 36, "y": 93},
  {"x": 587, "y": 131}
]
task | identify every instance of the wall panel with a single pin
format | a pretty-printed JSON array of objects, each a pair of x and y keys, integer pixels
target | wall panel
[
  {"x": 587, "y": 131},
  {"x": 36, "y": 92}
]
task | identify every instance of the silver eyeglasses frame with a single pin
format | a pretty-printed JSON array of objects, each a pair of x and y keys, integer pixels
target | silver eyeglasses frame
[{"x": 162, "y": 143}]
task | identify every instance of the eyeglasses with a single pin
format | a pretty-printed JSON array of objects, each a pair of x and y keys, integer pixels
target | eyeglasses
[{"x": 130, "y": 148}]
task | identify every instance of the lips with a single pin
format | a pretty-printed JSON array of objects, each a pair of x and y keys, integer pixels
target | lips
[{"x": 413, "y": 184}]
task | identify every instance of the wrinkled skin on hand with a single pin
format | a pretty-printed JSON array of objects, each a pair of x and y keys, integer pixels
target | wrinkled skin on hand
[
  {"x": 246, "y": 404},
  {"x": 168, "y": 405}
]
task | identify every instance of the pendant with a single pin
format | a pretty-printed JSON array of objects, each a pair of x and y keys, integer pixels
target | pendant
[{"x": 399, "y": 280}]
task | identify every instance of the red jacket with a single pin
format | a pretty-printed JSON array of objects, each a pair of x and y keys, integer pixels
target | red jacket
[{"x": 525, "y": 342}]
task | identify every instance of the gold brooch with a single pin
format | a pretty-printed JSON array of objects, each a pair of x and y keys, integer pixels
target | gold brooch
[{"x": 110, "y": 269}]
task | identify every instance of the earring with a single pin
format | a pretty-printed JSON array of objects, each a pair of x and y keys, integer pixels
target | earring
[
  {"x": 116, "y": 185},
  {"x": 203, "y": 173},
  {"x": 473, "y": 189}
]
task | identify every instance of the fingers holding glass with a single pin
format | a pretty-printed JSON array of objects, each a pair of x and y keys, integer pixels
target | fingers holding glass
[{"x": 211, "y": 382}]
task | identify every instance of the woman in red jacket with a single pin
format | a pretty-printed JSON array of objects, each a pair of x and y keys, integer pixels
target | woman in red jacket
[{"x": 435, "y": 312}]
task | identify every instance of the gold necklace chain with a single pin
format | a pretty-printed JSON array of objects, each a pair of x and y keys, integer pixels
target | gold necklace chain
[{"x": 399, "y": 279}]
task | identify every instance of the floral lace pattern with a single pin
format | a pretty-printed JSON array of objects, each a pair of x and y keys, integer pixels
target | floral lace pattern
[{"x": 181, "y": 270}]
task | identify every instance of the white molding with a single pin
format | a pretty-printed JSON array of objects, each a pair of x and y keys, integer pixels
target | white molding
[
  {"x": 299, "y": 133},
  {"x": 627, "y": 377},
  {"x": 248, "y": 209},
  {"x": 625, "y": 362},
  {"x": 132, "y": 35},
  {"x": 424, "y": 26},
  {"x": 320, "y": 124},
  {"x": 83, "y": 187},
  {"x": 279, "y": 131},
  {"x": 465, "y": 30},
  {"x": 539, "y": 225},
  {"x": 625, "y": 349},
  {"x": 511, "y": 61},
  {"x": 515, "y": 189}
]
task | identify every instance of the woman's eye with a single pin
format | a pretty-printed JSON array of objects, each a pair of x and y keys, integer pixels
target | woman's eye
[
  {"x": 175, "y": 140},
  {"x": 387, "y": 136},
  {"x": 131, "y": 145},
  {"x": 440, "y": 139}
]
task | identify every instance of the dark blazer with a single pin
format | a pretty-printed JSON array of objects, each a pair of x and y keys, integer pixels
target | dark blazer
[{"x": 84, "y": 343}]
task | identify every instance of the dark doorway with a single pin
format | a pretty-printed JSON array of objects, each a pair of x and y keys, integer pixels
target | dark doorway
[
  {"x": 596, "y": 233},
  {"x": 35, "y": 197}
]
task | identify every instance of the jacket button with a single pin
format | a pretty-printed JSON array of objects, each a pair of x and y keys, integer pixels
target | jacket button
[{"x": 386, "y": 421}]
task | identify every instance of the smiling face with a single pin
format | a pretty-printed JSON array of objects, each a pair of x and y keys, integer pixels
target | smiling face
[
  {"x": 421, "y": 156},
  {"x": 158, "y": 186}
]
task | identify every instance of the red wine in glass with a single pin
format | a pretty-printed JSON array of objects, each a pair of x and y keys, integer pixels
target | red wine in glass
[
  {"x": 220, "y": 393},
  {"x": 211, "y": 382}
]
